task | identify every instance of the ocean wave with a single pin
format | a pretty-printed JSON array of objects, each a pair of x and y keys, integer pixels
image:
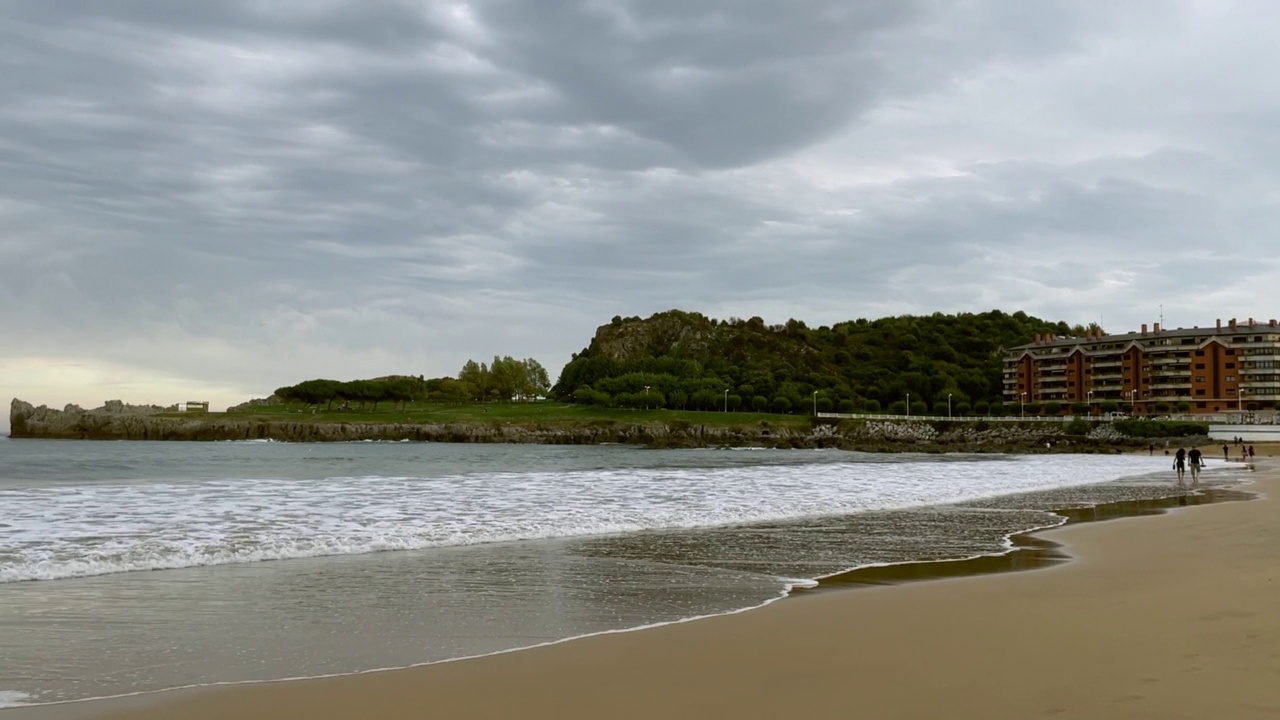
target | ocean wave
[
  {"x": 58, "y": 532},
  {"x": 13, "y": 698}
]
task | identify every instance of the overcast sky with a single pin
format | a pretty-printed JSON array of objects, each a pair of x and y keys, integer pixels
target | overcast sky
[{"x": 207, "y": 200}]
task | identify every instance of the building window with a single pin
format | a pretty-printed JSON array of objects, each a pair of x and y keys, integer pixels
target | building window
[
  {"x": 1201, "y": 404},
  {"x": 1200, "y": 391},
  {"x": 1199, "y": 366},
  {"x": 1230, "y": 378},
  {"x": 1199, "y": 378},
  {"x": 1231, "y": 366},
  {"x": 1199, "y": 353},
  {"x": 1231, "y": 351}
]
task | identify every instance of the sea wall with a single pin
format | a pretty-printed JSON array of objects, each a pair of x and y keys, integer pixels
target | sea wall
[{"x": 118, "y": 421}]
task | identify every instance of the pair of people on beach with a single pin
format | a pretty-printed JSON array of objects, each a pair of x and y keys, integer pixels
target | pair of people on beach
[{"x": 1180, "y": 460}]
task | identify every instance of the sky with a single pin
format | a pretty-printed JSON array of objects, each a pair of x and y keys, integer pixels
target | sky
[{"x": 206, "y": 201}]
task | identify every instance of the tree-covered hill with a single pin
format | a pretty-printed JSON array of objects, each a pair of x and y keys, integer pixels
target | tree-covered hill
[{"x": 680, "y": 359}]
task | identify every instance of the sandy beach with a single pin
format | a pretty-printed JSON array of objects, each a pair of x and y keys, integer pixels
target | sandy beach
[{"x": 1171, "y": 616}]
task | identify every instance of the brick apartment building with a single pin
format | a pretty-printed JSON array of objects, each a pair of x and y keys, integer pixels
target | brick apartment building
[{"x": 1229, "y": 367}]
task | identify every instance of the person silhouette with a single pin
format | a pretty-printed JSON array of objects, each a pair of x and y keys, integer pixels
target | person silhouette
[
  {"x": 1197, "y": 460},
  {"x": 1180, "y": 463},
  {"x": 1226, "y": 452}
]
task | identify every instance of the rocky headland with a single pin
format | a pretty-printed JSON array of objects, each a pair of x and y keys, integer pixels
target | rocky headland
[{"x": 116, "y": 420}]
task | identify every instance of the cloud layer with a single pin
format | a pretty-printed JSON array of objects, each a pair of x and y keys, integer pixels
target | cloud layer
[{"x": 221, "y": 198}]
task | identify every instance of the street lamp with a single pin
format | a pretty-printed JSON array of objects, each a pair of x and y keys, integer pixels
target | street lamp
[
  {"x": 1022, "y": 404},
  {"x": 908, "y": 404},
  {"x": 726, "y": 399},
  {"x": 815, "y": 403},
  {"x": 948, "y": 405},
  {"x": 1088, "y": 398},
  {"x": 646, "y": 397}
]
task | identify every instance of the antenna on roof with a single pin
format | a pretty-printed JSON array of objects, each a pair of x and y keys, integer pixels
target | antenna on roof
[{"x": 1161, "y": 314}]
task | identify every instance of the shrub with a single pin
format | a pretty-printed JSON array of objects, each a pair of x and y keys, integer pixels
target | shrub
[
  {"x": 982, "y": 407},
  {"x": 1160, "y": 428},
  {"x": 847, "y": 406},
  {"x": 1078, "y": 427},
  {"x": 1053, "y": 408},
  {"x": 872, "y": 405}
]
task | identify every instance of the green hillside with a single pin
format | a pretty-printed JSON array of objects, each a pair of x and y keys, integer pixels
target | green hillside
[{"x": 685, "y": 360}]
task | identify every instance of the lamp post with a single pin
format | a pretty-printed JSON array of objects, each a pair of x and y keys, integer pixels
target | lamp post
[
  {"x": 908, "y": 404},
  {"x": 1022, "y": 404},
  {"x": 726, "y": 399},
  {"x": 948, "y": 405},
  {"x": 1088, "y": 398},
  {"x": 646, "y": 397},
  {"x": 1133, "y": 403},
  {"x": 815, "y": 403}
]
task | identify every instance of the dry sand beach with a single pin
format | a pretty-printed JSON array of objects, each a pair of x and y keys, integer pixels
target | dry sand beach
[{"x": 1171, "y": 616}]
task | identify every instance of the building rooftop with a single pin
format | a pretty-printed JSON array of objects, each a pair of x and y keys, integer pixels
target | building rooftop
[{"x": 1231, "y": 328}]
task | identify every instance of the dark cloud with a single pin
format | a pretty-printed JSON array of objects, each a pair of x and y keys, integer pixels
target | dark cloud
[{"x": 236, "y": 195}]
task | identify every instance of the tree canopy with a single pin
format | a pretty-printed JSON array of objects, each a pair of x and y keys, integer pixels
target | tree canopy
[
  {"x": 694, "y": 362},
  {"x": 396, "y": 388}
]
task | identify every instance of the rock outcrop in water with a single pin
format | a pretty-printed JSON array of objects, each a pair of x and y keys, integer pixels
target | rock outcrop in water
[{"x": 118, "y": 421}]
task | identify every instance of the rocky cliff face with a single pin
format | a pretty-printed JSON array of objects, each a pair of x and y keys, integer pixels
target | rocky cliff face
[{"x": 118, "y": 421}]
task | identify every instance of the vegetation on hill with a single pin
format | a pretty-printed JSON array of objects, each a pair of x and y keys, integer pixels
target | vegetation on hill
[
  {"x": 684, "y": 360},
  {"x": 505, "y": 379}
]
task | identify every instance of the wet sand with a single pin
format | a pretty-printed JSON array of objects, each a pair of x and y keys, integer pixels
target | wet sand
[{"x": 1168, "y": 616}]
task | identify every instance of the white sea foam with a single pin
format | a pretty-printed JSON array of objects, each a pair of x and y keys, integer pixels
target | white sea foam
[
  {"x": 64, "y": 531},
  {"x": 13, "y": 698}
]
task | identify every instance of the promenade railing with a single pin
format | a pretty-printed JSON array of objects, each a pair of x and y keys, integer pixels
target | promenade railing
[{"x": 1247, "y": 418}]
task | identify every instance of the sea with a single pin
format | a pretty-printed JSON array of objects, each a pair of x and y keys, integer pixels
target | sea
[{"x": 135, "y": 567}]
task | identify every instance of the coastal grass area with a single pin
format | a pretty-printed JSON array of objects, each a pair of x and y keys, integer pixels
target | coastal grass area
[{"x": 513, "y": 412}]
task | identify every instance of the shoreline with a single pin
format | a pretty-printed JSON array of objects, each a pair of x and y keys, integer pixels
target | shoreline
[
  {"x": 935, "y": 435},
  {"x": 1027, "y": 550},
  {"x": 1098, "y": 637}
]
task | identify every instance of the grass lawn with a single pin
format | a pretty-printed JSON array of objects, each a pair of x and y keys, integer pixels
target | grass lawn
[{"x": 529, "y": 412}]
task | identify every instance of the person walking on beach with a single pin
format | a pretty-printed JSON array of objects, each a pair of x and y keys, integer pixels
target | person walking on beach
[
  {"x": 1250, "y": 453},
  {"x": 1180, "y": 463},
  {"x": 1226, "y": 452},
  {"x": 1197, "y": 461}
]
